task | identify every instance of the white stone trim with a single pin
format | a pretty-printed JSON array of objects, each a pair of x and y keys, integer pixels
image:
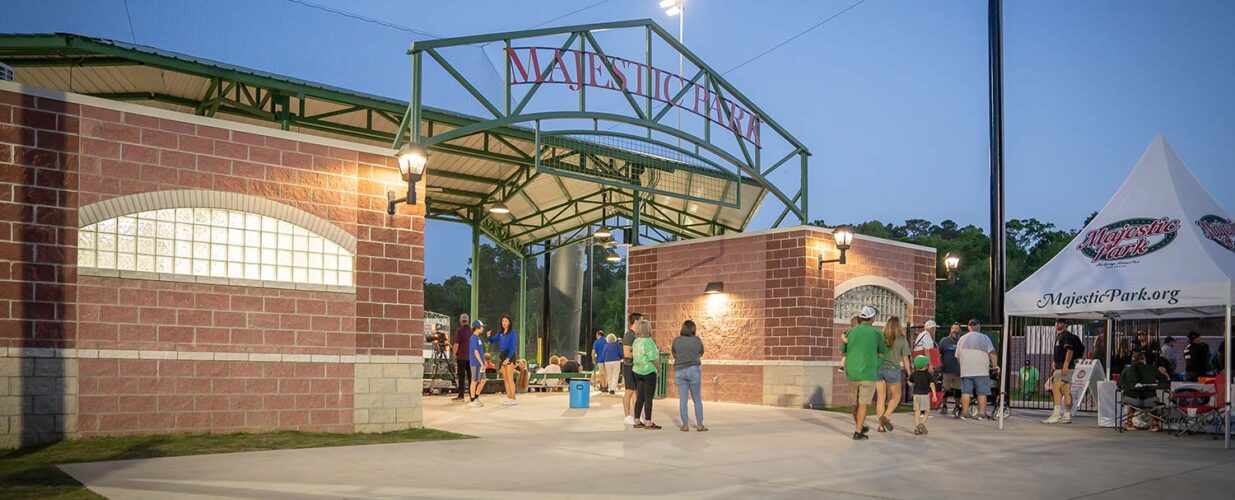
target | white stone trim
[
  {"x": 35, "y": 352},
  {"x": 128, "y": 107},
  {"x": 767, "y": 362},
  {"x": 878, "y": 281},
  {"x": 201, "y": 198},
  {"x": 778, "y": 230}
]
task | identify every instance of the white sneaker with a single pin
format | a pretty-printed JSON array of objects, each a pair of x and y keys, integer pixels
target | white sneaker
[
  {"x": 1053, "y": 419},
  {"x": 509, "y": 402},
  {"x": 629, "y": 420},
  {"x": 476, "y": 403},
  {"x": 1066, "y": 418}
]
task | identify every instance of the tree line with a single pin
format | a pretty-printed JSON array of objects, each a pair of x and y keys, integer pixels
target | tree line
[{"x": 1031, "y": 243}]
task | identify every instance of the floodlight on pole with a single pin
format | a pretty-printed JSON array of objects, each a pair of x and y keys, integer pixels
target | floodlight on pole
[{"x": 672, "y": 7}]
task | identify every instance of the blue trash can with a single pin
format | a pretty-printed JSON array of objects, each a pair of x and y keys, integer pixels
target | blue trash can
[{"x": 580, "y": 392}]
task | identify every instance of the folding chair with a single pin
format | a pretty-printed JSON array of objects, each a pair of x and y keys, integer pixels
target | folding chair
[
  {"x": 1153, "y": 413},
  {"x": 1207, "y": 417}
]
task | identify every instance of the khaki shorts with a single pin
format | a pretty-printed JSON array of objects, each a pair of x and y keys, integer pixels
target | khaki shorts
[
  {"x": 863, "y": 391},
  {"x": 1057, "y": 376},
  {"x": 951, "y": 381},
  {"x": 921, "y": 402}
]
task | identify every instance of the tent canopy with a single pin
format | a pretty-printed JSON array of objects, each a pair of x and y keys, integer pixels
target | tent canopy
[{"x": 1161, "y": 247}]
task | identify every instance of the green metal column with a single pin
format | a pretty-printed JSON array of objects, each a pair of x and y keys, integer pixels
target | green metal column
[
  {"x": 636, "y": 209},
  {"x": 523, "y": 307},
  {"x": 475, "y": 310},
  {"x": 805, "y": 191}
]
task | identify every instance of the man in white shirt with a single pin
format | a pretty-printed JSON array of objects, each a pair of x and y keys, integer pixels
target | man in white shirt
[
  {"x": 926, "y": 339},
  {"x": 977, "y": 356}
]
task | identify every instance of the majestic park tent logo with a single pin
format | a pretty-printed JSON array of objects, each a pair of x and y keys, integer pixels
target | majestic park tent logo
[
  {"x": 1218, "y": 229},
  {"x": 1129, "y": 239}
]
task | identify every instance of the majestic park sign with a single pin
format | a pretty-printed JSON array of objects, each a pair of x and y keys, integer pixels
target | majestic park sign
[
  {"x": 576, "y": 68},
  {"x": 1218, "y": 229},
  {"x": 1128, "y": 239}
]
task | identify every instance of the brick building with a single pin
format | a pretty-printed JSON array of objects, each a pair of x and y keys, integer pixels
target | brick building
[
  {"x": 105, "y": 327},
  {"x": 187, "y": 245},
  {"x": 773, "y": 336}
]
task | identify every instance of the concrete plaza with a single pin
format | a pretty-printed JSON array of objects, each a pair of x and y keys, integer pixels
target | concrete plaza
[{"x": 542, "y": 449}]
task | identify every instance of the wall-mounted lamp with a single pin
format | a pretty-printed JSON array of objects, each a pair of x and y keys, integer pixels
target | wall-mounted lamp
[
  {"x": 951, "y": 262},
  {"x": 843, "y": 236},
  {"x": 412, "y": 159},
  {"x": 714, "y": 287}
]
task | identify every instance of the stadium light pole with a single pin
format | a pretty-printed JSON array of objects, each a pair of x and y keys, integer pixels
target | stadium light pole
[
  {"x": 678, "y": 8},
  {"x": 994, "y": 12}
]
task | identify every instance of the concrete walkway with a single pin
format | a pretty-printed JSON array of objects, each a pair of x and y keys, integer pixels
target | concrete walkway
[{"x": 541, "y": 449}]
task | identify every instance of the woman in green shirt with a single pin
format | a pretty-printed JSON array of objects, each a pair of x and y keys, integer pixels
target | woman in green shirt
[
  {"x": 888, "y": 381},
  {"x": 646, "y": 359}
]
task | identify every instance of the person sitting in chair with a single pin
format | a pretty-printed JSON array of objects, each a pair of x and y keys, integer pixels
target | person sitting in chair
[{"x": 1139, "y": 384}]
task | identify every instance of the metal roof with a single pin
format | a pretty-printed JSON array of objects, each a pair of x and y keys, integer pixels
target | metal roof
[{"x": 464, "y": 174}]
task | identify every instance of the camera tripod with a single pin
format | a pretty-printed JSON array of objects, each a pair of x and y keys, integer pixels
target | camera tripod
[{"x": 439, "y": 363}]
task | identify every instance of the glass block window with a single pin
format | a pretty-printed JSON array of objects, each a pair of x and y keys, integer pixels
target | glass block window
[
  {"x": 887, "y": 302},
  {"x": 214, "y": 242}
]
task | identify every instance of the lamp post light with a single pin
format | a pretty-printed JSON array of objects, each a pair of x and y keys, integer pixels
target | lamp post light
[
  {"x": 843, "y": 236},
  {"x": 412, "y": 160},
  {"x": 951, "y": 262}
]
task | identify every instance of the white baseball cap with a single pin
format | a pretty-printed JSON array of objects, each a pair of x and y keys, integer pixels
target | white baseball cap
[
  {"x": 868, "y": 312},
  {"x": 931, "y": 324}
]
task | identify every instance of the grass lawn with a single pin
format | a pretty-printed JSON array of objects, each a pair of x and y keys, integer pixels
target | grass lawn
[{"x": 32, "y": 473}]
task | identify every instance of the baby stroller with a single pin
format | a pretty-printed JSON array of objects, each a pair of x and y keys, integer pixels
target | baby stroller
[{"x": 994, "y": 402}]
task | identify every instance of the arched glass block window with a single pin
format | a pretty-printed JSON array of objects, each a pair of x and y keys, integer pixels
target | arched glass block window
[
  {"x": 887, "y": 302},
  {"x": 214, "y": 242}
]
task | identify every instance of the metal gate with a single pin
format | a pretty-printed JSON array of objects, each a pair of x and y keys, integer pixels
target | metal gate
[{"x": 1031, "y": 356}]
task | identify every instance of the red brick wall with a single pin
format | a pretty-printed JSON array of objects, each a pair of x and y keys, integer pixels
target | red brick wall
[
  {"x": 56, "y": 157},
  {"x": 777, "y": 304}
]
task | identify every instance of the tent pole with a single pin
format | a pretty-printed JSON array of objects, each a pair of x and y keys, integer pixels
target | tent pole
[
  {"x": 1226, "y": 375},
  {"x": 1110, "y": 341},
  {"x": 1004, "y": 381}
]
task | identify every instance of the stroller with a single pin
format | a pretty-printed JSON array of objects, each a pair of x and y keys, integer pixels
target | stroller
[{"x": 994, "y": 403}]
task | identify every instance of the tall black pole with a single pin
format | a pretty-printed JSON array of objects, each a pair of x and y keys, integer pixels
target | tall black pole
[
  {"x": 544, "y": 313},
  {"x": 998, "y": 232},
  {"x": 586, "y": 339}
]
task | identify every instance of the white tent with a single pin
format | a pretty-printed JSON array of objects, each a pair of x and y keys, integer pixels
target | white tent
[{"x": 1160, "y": 248}]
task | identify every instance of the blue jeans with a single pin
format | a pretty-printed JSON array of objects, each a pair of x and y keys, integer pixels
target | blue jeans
[{"x": 688, "y": 381}]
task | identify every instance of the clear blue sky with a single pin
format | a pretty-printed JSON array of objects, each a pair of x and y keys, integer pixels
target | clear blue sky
[{"x": 891, "y": 97}]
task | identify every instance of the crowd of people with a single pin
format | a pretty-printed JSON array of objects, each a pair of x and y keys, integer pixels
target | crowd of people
[
  {"x": 633, "y": 362},
  {"x": 876, "y": 361}
]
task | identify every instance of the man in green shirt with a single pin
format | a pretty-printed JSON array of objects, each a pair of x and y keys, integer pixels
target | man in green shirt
[{"x": 862, "y": 347}]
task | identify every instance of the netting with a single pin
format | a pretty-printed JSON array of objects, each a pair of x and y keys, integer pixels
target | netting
[{"x": 631, "y": 162}]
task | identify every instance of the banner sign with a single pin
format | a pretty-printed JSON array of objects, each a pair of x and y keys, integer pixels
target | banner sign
[
  {"x": 1219, "y": 230},
  {"x": 1128, "y": 239},
  {"x": 1087, "y": 373},
  {"x": 1149, "y": 298},
  {"x": 576, "y": 68}
]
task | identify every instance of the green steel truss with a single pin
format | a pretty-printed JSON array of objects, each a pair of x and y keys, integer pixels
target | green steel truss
[
  {"x": 237, "y": 93},
  {"x": 616, "y": 172}
]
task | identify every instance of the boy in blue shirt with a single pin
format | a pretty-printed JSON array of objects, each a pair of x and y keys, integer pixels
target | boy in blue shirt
[{"x": 476, "y": 361}]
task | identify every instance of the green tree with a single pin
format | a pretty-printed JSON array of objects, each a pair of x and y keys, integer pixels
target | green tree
[{"x": 1031, "y": 244}]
